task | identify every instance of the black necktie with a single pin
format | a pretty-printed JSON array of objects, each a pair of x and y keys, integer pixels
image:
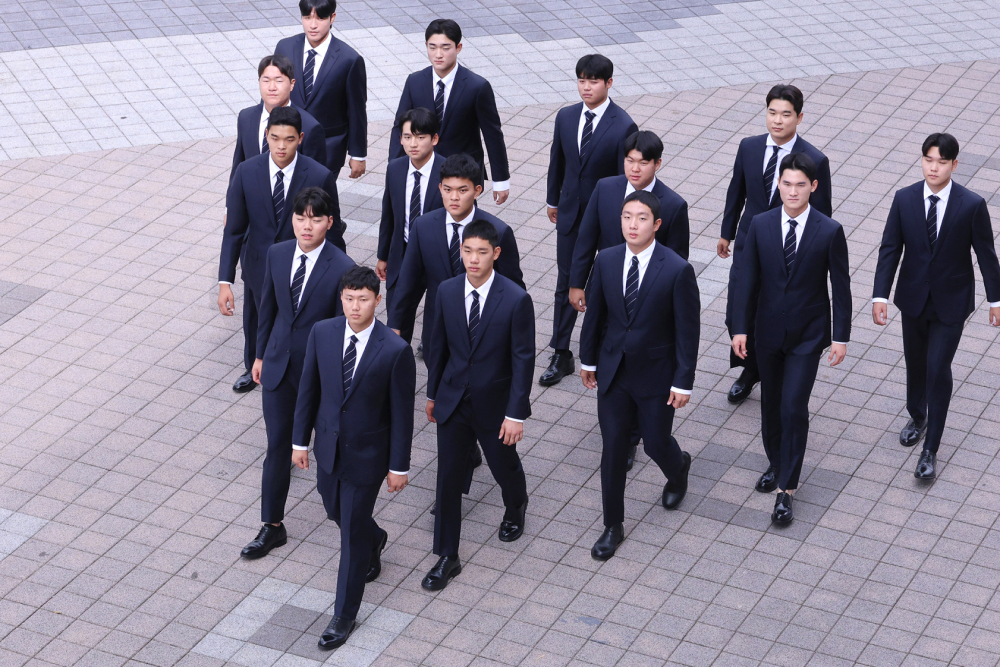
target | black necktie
[
  {"x": 790, "y": 245},
  {"x": 307, "y": 73},
  {"x": 772, "y": 166},
  {"x": 264, "y": 148},
  {"x": 297, "y": 282},
  {"x": 350, "y": 356},
  {"x": 632, "y": 287},
  {"x": 439, "y": 102},
  {"x": 415, "y": 198},
  {"x": 932, "y": 219},
  {"x": 588, "y": 130},
  {"x": 473, "y": 316},
  {"x": 455, "y": 250},
  {"x": 278, "y": 196}
]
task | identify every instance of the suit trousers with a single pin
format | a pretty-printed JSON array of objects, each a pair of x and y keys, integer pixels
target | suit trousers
[
  {"x": 279, "y": 413},
  {"x": 786, "y": 382},
  {"x": 251, "y": 304},
  {"x": 929, "y": 345},
  {"x": 619, "y": 409},
  {"x": 563, "y": 314},
  {"x": 750, "y": 363},
  {"x": 351, "y": 506},
  {"x": 456, "y": 437}
]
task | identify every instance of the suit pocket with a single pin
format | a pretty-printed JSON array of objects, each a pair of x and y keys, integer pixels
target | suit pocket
[
  {"x": 660, "y": 352},
  {"x": 380, "y": 434}
]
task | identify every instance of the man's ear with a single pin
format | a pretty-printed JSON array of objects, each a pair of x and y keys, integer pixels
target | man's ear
[{"x": 496, "y": 253}]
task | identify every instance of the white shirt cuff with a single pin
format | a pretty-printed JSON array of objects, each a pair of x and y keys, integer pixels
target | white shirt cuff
[
  {"x": 405, "y": 474},
  {"x": 995, "y": 304},
  {"x": 585, "y": 367},
  {"x": 685, "y": 392},
  {"x": 300, "y": 448},
  {"x": 501, "y": 186},
  {"x": 550, "y": 205},
  {"x": 225, "y": 282},
  {"x": 879, "y": 300},
  {"x": 839, "y": 343},
  {"x": 359, "y": 159},
  {"x": 519, "y": 421}
]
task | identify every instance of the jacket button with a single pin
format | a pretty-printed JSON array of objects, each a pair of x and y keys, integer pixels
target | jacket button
[
  {"x": 335, "y": 434},
  {"x": 343, "y": 410},
  {"x": 295, "y": 328}
]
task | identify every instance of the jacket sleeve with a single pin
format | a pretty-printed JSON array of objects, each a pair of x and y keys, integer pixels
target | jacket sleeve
[
  {"x": 687, "y": 327},
  {"x": 436, "y": 350},
  {"x": 593, "y": 320},
  {"x": 235, "y": 231},
  {"x": 402, "y": 392},
  {"x": 409, "y": 285},
  {"x": 982, "y": 243},
  {"x": 405, "y": 104},
  {"x": 749, "y": 277},
  {"x": 307, "y": 402},
  {"x": 840, "y": 281},
  {"x": 890, "y": 252},
  {"x": 336, "y": 233},
  {"x": 822, "y": 199},
  {"x": 238, "y": 155},
  {"x": 678, "y": 236},
  {"x": 489, "y": 125},
  {"x": 315, "y": 144},
  {"x": 509, "y": 263},
  {"x": 268, "y": 310},
  {"x": 736, "y": 198},
  {"x": 357, "y": 112},
  {"x": 557, "y": 168},
  {"x": 522, "y": 342},
  {"x": 587, "y": 241},
  {"x": 386, "y": 226}
]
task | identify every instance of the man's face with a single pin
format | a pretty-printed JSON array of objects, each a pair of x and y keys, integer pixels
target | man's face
[
  {"x": 795, "y": 189},
  {"x": 937, "y": 170},
  {"x": 638, "y": 224},
  {"x": 359, "y": 305},
  {"x": 459, "y": 195},
  {"x": 442, "y": 52},
  {"x": 310, "y": 230},
  {"x": 478, "y": 256},
  {"x": 640, "y": 172},
  {"x": 418, "y": 146},
  {"x": 782, "y": 121},
  {"x": 317, "y": 29},
  {"x": 275, "y": 87},
  {"x": 283, "y": 141},
  {"x": 593, "y": 92}
]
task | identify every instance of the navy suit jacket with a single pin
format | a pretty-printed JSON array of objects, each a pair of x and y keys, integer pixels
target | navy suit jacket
[
  {"x": 601, "y": 226},
  {"x": 946, "y": 272},
  {"x": 471, "y": 108},
  {"x": 428, "y": 259},
  {"x": 573, "y": 177},
  {"x": 395, "y": 206},
  {"x": 339, "y": 95},
  {"x": 503, "y": 353},
  {"x": 248, "y": 141},
  {"x": 661, "y": 339},
  {"x": 360, "y": 437},
  {"x": 250, "y": 224},
  {"x": 747, "y": 195},
  {"x": 282, "y": 335},
  {"x": 793, "y": 311}
]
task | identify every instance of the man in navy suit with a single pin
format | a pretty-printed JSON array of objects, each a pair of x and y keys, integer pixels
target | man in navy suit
[
  {"x": 301, "y": 287},
  {"x": 462, "y": 100},
  {"x": 639, "y": 349},
  {"x": 332, "y": 85},
  {"x": 588, "y": 144},
  {"x": 433, "y": 253},
  {"x": 938, "y": 223},
  {"x": 411, "y": 189},
  {"x": 357, "y": 388},
  {"x": 275, "y": 74},
  {"x": 789, "y": 254},
  {"x": 257, "y": 218},
  {"x": 754, "y": 189},
  {"x": 479, "y": 387}
]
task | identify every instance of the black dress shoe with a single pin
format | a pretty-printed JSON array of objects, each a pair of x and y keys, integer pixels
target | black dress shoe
[
  {"x": 476, "y": 457},
  {"x": 446, "y": 569},
  {"x": 925, "y": 467},
  {"x": 674, "y": 489},
  {"x": 912, "y": 433},
  {"x": 336, "y": 633},
  {"x": 742, "y": 387},
  {"x": 768, "y": 482},
  {"x": 782, "y": 508},
  {"x": 375, "y": 565},
  {"x": 512, "y": 526},
  {"x": 631, "y": 458},
  {"x": 268, "y": 538},
  {"x": 607, "y": 544},
  {"x": 561, "y": 365},
  {"x": 244, "y": 383}
]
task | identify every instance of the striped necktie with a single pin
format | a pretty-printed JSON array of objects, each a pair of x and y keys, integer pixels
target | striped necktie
[
  {"x": 772, "y": 166},
  {"x": 278, "y": 196},
  {"x": 297, "y": 282},
  {"x": 790, "y": 245},
  {"x": 588, "y": 130},
  {"x": 439, "y": 102},
  {"x": 473, "y": 316},
  {"x": 350, "y": 356},
  {"x": 932, "y": 220},
  {"x": 307, "y": 73},
  {"x": 455, "y": 251},
  {"x": 632, "y": 287}
]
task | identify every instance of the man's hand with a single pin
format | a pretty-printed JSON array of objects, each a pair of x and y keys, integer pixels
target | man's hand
[
  {"x": 838, "y": 351},
  {"x": 357, "y": 168},
  {"x": 396, "y": 331},
  {"x": 430, "y": 411},
  {"x": 255, "y": 371},
  {"x": 578, "y": 299},
  {"x": 995, "y": 316},
  {"x": 880, "y": 313},
  {"x": 722, "y": 249},
  {"x": 589, "y": 379},
  {"x": 395, "y": 482},
  {"x": 380, "y": 269},
  {"x": 501, "y": 196},
  {"x": 740, "y": 345},
  {"x": 226, "y": 300},
  {"x": 678, "y": 401},
  {"x": 300, "y": 457},
  {"x": 225, "y": 216},
  {"x": 552, "y": 213},
  {"x": 511, "y": 432}
]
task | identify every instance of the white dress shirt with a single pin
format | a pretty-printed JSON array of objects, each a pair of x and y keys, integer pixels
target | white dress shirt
[
  {"x": 644, "y": 257},
  {"x": 425, "y": 177},
  {"x": 629, "y": 188},
  {"x": 264, "y": 116},
  {"x": 598, "y": 114},
  {"x": 450, "y": 231},
  {"x": 311, "y": 257},
  {"x": 783, "y": 150},
  {"x": 321, "y": 50}
]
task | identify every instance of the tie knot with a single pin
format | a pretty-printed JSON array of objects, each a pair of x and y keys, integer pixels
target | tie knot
[
  {"x": 792, "y": 222},
  {"x": 312, "y": 52},
  {"x": 354, "y": 339},
  {"x": 416, "y": 176},
  {"x": 635, "y": 260},
  {"x": 475, "y": 295},
  {"x": 280, "y": 175},
  {"x": 455, "y": 226},
  {"x": 303, "y": 258},
  {"x": 934, "y": 199},
  {"x": 589, "y": 114},
  {"x": 440, "y": 85}
]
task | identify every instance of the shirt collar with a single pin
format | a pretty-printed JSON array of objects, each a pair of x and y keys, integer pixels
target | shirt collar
[
  {"x": 425, "y": 170},
  {"x": 483, "y": 289},
  {"x": 312, "y": 254},
  {"x": 287, "y": 170},
  {"x": 323, "y": 47},
  {"x": 362, "y": 335},
  {"x": 629, "y": 188},
  {"x": 599, "y": 111},
  {"x": 799, "y": 219},
  {"x": 787, "y": 146},
  {"x": 943, "y": 195},
  {"x": 448, "y": 78},
  {"x": 644, "y": 255},
  {"x": 463, "y": 222},
  {"x": 265, "y": 114}
]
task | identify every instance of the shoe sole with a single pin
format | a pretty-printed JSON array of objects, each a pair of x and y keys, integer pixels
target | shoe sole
[
  {"x": 927, "y": 478},
  {"x": 454, "y": 573},
  {"x": 262, "y": 554}
]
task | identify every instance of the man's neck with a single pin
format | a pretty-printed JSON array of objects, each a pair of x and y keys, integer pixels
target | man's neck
[
  {"x": 937, "y": 188},
  {"x": 594, "y": 105},
  {"x": 286, "y": 162},
  {"x": 309, "y": 41},
  {"x": 646, "y": 184},
  {"x": 418, "y": 163},
  {"x": 479, "y": 281},
  {"x": 636, "y": 249},
  {"x": 782, "y": 142},
  {"x": 271, "y": 108},
  {"x": 358, "y": 328},
  {"x": 309, "y": 249},
  {"x": 458, "y": 217},
  {"x": 796, "y": 213},
  {"x": 443, "y": 73}
]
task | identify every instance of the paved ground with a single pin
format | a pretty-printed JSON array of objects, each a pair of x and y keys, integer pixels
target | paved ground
[{"x": 129, "y": 471}]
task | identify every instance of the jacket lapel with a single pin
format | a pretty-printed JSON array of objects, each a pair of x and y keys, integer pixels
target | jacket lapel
[
  {"x": 808, "y": 234},
  {"x": 264, "y": 178},
  {"x": 948, "y": 221},
  {"x": 655, "y": 264},
  {"x": 293, "y": 186},
  {"x": 332, "y": 54},
  {"x": 613, "y": 284},
  {"x": 283, "y": 269},
  {"x": 599, "y": 131},
  {"x": 251, "y": 133},
  {"x": 492, "y": 300},
  {"x": 441, "y": 241},
  {"x": 371, "y": 351},
  {"x": 777, "y": 243},
  {"x": 569, "y": 140},
  {"x": 337, "y": 345},
  {"x": 298, "y": 95},
  {"x": 461, "y": 78},
  {"x": 315, "y": 276}
]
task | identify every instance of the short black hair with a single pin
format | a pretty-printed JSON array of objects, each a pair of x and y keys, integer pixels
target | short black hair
[
  {"x": 947, "y": 145},
  {"x": 324, "y": 8},
  {"x": 421, "y": 120},
  {"x": 446, "y": 27},
  {"x": 313, "y": 200},
  {"x": 283, "y": 63},
  {"x": 481, "y": 229},
  {"x": 595, "y": 66},
  {"x": 648, "y": 199},
  {"x": 285, "y": 116},
  {"x": 799, "y": 162},
  {"x": 461, "y": 165},
  {"x": 360, "y": 277},
  {"x": 788, "y": 93},
  {"x": 647, "y": 143}
]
